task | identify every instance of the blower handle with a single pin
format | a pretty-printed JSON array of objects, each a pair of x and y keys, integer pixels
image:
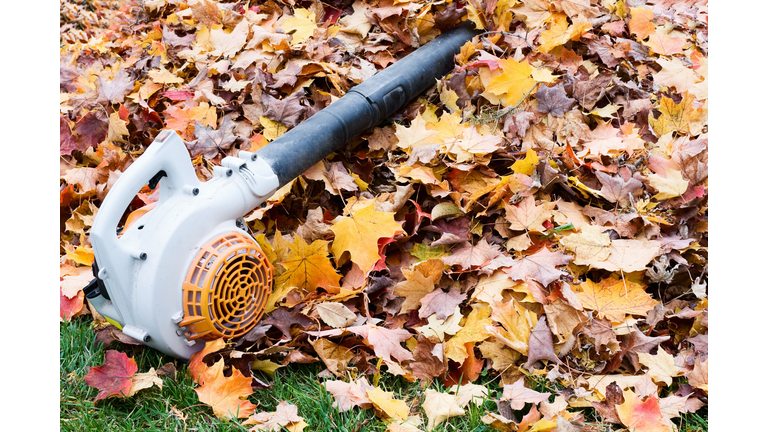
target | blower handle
[
  {"x": 363, "y": 107},
  {"x": 166, "y": 158}
]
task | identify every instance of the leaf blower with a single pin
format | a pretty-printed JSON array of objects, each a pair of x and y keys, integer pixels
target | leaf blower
[{"x": 187, "y": 270}]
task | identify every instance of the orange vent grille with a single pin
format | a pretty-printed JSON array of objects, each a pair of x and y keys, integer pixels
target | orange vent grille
[{"x": 227, "y": 288}]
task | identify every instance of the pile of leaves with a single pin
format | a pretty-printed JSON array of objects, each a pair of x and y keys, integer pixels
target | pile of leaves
[{"x": 540, "y": 212}]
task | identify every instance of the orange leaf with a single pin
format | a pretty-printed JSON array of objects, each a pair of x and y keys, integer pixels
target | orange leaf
[
  {"x": 227, "y": 394},
  {"x": 642, "y": 416},
  {"x": 640, "y": 24},
  {"x": 199, "y": 371},
  {"x": 113, "y": 378},
  {"x": 614, "y": 298}
]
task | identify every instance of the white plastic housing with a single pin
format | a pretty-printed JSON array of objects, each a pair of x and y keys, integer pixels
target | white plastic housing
[{"x": 146, "y": 290}]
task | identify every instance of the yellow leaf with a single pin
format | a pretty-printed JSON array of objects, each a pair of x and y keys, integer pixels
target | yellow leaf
[
  {"x": 527, "y": 165},
  {"x": 308, "y": 267},
  {"x": 272, "y": 129},
  {"x": 359, "y": 234},
  {"x": 559, "y": 32},
  {"x": 386, "y": 406},
  {"x": 228, "y": 44},
  {"x": 671, "y": 186},
  {"x": 117, "y": 128},
  {"x": 413, "y": 288},
  {"x": 81, "y": 254},
  {"x": 449, "y": 97},
  {"x": 515, "y": 81},
  {"x": 473, "y": 331},
  {"x": 615, "y": 298},
  {"x": 302, "y": 24},
  {"x": 517, "y": 322},
  {"x": 676, "y": 117},
  {"x": 141, "y": 381},
  {"x": 590, "y": 245},
  {"x": 416, "y": 135},
  {"x": 163, "y": 76},
  {"x": 440, "y": 406},
  {"x": 661, "y": 367},
  {"x": 267, "y": 366},
  {"x": 543, "y": 75}
]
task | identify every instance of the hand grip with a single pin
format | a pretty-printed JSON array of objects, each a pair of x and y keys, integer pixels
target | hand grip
[{"x": 167, "y": 153}]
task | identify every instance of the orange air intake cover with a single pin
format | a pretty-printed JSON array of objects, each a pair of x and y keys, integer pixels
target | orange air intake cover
[{"x": 226, "y": 288}]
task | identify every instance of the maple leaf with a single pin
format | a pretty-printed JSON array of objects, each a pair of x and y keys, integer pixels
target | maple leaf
[
  {"x": 671, "y": 186},
  {"x": 307, "y": 267},
  {"x": 198, "y": 370},
  {"x": 415, "y": 135},
  {"x": 113, "y": 378},
  {"x": 425, "y": 364},
  {"x": 675, "y": 74},
  {"x": 478, "y": 256},
  {"x": 285, "y": 417},
  {"x": 553, "y": 100},
  {"x": 141, "y": 381},
  {"x": 385, "y": 405},
  {"x": 415, "y": 286},
  {"x": 349, "y": 395},
  {"x": 541, "y": 266},
  {"x": 616, "y": 189},
  {"x": 91, "y": 129},
  {"x": 359, "y": 234},
  {"x": 438, "y": 328},
  {"x": 114, "y": 91},
  {"x": 642, "y": 416},
  {"x": 613, "y": 298},
  {"x": 661, "y": 42},
  {"x": 440, "y": 406},
  {"x": 287, "y": 111},
  {"x": 641, "y": 24},
  {"x": 590, "y": 245},
  {"x": 607, "y": 408},
  {"x": 440, "y": 303},
  {"x": 472, "y": 143},
  {"x": 560, "y": 32},
  {"x": 385, "y": 342},
  {"x": 302, "y": 24},
  {"x": 629, "y": 255},
  {"x": 661, "y": 366},
  {"x": 676, "y": 117},
  {"x": 527, "y": 216},
  {"x": 518, "y": 395},
  {"x": 69, "y": 307},
  {"x": 228, "y": 44},
  {"x": 358, "y": 21},
  {"x": 334, "y": 356},
  {"x": 515, "y": 81},
  {"x": 517, "y": 322},
  {"x": 227, "y": 395},
  {"x": 210, "y": 142},
  {"x": 284, "y": 319},
  {"x": 473, "y": 331}
]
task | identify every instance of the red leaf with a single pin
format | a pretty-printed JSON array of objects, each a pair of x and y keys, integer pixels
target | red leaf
[
  {"x": 114, "y": 376},
  {"x": 69, "y": 307},
  {"x": 91, "y": 130},
  {"x": 67, "y": 141}
]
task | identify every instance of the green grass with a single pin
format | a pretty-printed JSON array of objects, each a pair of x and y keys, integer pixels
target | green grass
[{"x": 177, "y": 408}]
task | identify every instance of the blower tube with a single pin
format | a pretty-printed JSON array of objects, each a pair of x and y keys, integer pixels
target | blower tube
[{"x": 363, "y": 107}]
